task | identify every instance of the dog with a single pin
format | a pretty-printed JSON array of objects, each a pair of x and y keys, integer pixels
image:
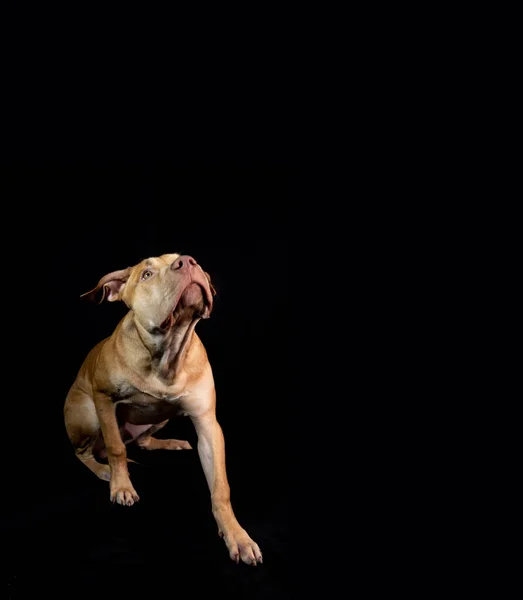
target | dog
[{"x": 153, "y": 367}]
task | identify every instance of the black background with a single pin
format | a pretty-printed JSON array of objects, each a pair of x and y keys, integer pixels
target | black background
[{"x": 66, "y": 226}]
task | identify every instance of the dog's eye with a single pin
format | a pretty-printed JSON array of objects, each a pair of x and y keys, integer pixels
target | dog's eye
[{"x": 146, "y": 274}]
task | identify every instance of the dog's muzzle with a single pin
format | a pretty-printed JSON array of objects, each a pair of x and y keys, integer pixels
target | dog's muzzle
[{"x": 197, "y": 284}]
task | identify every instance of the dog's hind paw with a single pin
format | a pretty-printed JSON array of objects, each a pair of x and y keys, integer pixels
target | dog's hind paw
[
  {"x": 151, "y": 443},
  {"x": 104, "y": 473}
]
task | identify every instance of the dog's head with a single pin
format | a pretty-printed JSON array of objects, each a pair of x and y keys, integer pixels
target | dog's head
[{"x": 159, "y": 290}]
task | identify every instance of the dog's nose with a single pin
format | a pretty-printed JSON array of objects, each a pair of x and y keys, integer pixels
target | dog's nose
[{"x": 183, "y": 261}]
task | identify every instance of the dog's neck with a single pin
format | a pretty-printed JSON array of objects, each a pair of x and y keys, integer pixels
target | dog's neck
[{"x": 166, "y": 351}]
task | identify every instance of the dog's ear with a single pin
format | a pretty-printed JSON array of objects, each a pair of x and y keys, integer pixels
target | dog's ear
[
  {"x": 213, "y": 290},
  {"x": 109, "y": 287}
]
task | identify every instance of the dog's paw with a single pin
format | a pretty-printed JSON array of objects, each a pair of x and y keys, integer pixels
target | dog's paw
[
  {"x": 125, "y": 495},
  {"x": 177, "y": 445},
  {"x": 240, "y": 545}
]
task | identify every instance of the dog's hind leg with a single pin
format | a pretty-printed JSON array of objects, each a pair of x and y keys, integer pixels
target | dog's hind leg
[
  {"x": 100, "y": 470},
  {"x": 83, "y": 428}
]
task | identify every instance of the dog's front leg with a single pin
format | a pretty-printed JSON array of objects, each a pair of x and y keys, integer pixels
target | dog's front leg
[
  {"x": 122, "y": 490},
  {"x": 211, "y": 448}
]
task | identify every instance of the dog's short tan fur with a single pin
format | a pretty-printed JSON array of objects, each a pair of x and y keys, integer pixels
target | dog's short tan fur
[{"x": 153, "y": 367}]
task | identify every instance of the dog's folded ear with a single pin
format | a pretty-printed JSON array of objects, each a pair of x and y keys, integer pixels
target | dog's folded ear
[
  {"x": 109, "y": 287},
  {"x": 213, "y": 290}
]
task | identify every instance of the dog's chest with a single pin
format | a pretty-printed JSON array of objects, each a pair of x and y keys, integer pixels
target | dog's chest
[{"x": 141, "y": 408}]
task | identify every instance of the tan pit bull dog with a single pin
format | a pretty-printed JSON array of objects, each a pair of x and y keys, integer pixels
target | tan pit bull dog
[{"x": 153, "y": 367}]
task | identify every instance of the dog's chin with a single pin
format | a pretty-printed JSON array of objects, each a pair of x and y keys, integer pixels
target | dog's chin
[
  {"x": 191, "y": 305},
  {"x": 192, "y": 298}
]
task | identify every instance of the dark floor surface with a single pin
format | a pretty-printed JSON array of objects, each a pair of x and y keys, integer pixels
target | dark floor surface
[{"x": 61, "y": 536}]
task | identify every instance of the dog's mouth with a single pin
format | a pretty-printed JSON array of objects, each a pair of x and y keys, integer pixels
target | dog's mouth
[{"x": 195, "y": 302}]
